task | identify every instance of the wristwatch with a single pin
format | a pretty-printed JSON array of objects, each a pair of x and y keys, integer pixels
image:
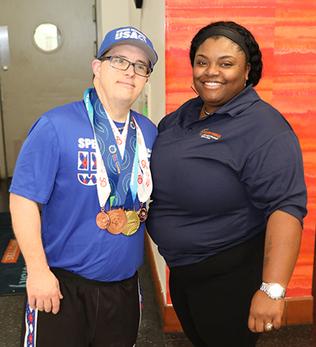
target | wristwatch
[{"x": 274, "y": 290}]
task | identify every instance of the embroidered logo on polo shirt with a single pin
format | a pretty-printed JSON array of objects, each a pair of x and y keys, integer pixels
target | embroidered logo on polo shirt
[{"x": 209, "y": 135}]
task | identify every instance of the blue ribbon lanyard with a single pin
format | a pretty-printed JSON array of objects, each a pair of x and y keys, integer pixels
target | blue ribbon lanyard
[{"x": 120, "y": 170}]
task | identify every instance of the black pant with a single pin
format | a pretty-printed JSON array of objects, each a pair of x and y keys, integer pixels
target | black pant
[
  {"x": 212, "y": 298},
  {"x": 92, "y": 314}
]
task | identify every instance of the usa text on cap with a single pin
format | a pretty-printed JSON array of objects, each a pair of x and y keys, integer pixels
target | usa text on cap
[{"x": 128, "y": 35}]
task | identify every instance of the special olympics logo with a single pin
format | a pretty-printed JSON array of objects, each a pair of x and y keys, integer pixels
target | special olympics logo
[{"x": 87, "y": 166}]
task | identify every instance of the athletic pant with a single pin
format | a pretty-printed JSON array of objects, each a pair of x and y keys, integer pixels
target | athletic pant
[
  {"x": 212, "y": 298},
  {"x": 92, "y": 314}
]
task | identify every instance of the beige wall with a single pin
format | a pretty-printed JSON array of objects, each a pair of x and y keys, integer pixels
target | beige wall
[
  {"x": 153, "y": 24},
  {"x": 151, "y": 20},
  {"x": 112, "y": 14},
  {"x": 2, "y": 161}
]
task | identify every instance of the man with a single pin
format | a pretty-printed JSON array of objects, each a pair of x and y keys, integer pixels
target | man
[{"x": 86, "y": 164}]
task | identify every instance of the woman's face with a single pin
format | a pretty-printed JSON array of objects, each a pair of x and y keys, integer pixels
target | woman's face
[{"x": 219, "y": 71}]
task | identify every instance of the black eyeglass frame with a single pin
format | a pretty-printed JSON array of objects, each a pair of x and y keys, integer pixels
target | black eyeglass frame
[{"x": 110, "y": 57}]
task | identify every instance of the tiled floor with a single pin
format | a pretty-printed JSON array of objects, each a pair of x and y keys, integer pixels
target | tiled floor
[{"x": 150, "y": 334}]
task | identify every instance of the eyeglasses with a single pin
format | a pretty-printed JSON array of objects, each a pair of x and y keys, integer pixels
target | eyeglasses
[{"x": 123, "y": 64}]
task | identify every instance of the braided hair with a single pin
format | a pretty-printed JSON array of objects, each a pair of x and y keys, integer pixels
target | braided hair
[{"x": 253, "y": 51}]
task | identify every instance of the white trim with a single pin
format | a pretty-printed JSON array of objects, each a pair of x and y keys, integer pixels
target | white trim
[
  {"x": 140, "y": 304},
  {"x": 27, "y": 328}
]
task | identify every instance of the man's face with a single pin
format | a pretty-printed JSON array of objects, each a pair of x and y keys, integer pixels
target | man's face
[{"x": 117, "y": 85}]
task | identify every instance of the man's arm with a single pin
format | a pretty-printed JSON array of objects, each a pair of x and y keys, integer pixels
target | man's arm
[{"x": 42, "y": 285}]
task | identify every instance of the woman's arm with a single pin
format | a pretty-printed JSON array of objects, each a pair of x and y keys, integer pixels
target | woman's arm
[{"x": 282, "y": 244}]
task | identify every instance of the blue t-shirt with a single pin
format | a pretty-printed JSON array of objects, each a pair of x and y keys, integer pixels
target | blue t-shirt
[
  {"x": 57, "y": 168},
  {"x": 217, "y": 180}
]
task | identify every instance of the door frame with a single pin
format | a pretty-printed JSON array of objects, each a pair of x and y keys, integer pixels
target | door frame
[
  {"x": 4, "y": 64},
  {"x": 3, "y": 159}
]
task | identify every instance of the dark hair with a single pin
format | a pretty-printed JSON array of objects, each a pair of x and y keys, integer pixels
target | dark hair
[{"x": 255, "y": 56}]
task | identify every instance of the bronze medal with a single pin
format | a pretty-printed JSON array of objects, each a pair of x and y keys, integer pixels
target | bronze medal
[
  {"x": 142, "y": 214},
  {"x": 118, "y": 221},
  {"x": 132, "y": 224},
  {"x": 102, "y": 220}
]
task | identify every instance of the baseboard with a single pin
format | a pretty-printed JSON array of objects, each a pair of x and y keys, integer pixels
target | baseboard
[
  {"x": 170, "y": 322},
  {"x": 298, "y": 310},
  {"x": 154, "y": 272}
]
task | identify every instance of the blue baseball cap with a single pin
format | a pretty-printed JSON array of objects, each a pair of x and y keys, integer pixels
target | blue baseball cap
[{"x": 129, "y": 36}]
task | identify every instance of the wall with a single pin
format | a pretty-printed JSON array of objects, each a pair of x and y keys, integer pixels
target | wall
[
  {"x": 286, "y": 33},
  {"x": 151, "y": 20},
  {"x": 3, "y": 172},
  {"x": 110, "y": 16},
  {"x": 3, "y": 169},
  {"x": 153, "y": 24}
]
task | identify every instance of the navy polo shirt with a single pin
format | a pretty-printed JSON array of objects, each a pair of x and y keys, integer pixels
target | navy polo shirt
[{"x": 217, "y": 180}]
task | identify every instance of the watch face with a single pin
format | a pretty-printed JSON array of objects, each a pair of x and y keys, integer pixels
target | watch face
[
  {"x": 273, "y": 290},
  {"x": 276, "y": 291}
]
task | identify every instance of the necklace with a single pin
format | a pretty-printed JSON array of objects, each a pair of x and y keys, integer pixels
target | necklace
[
  {"x": 207, "y": 113},
  {"x": 204, "y": 113}
]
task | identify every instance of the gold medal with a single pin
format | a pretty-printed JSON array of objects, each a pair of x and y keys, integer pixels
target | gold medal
[
  {"x": 142, "y": 214},
  {"x": 132, "y": 224},
  {"x": 118, "y": 221},
  {"x": 102, "y": 220}
]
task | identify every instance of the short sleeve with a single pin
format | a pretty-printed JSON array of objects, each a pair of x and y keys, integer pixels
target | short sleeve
[
  {"x": 166, "y": 122},
  {"x": 274, "y": 176},
  {"x": 37, "y": 163}
]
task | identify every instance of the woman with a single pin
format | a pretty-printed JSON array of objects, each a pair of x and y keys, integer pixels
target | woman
[{"x": 229, "y": 196}]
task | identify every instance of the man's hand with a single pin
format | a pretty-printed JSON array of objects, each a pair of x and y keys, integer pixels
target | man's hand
[{"x": 43, "y": 291}]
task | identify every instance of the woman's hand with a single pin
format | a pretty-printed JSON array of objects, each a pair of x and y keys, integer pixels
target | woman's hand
[{"x": 265, "y": 310}]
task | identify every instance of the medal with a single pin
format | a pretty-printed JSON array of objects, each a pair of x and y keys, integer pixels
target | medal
[
  {"x": 118, "y": 221},
  {"x": 142, "y": 214},
  {"x": 132, "y": 224},
  {"x": 102, "y": 220}
]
